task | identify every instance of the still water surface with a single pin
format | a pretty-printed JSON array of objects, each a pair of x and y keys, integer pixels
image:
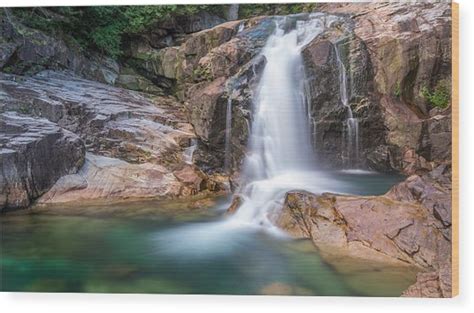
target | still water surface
[{"x": 150, "y": 247}]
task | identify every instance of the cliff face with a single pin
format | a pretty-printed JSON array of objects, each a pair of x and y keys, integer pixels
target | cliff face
[{"x": 393, "y": 54}]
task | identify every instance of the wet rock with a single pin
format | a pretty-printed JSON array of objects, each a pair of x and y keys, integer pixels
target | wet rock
[
  {"x": 34, "y": 154},
  {"x": 234, "y": 206}
]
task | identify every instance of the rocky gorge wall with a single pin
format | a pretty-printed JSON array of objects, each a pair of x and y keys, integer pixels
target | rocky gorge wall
[{"x": 392, "y": 53}]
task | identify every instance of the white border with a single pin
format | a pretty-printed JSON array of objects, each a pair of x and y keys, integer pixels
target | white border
[{"x": 86, "y": 303}]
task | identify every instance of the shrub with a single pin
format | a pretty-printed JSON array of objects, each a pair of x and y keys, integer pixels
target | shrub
[
  {"x": 440, "y": 96},
  {"x": 104, "y": 27}
]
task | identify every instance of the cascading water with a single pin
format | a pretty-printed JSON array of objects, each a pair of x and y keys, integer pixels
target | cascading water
[
  {"x": 188, "y": 153},
  {"x": 351, "y": 135},
  {"x": 228, "y": 134},
  {"x": 280, "y": 154}
]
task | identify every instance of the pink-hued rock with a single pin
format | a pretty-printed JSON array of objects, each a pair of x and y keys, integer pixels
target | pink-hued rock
[
  {"x": 411, "y": 224},
  {"x": 392, "y": 52},
  {"x": 108, "y": 179}
]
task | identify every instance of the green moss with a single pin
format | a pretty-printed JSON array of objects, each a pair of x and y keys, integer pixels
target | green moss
[
  {"x": 202, "y": 73},
  {"x": 24, "y": 109},
  {"x": 440, "y": 96}
]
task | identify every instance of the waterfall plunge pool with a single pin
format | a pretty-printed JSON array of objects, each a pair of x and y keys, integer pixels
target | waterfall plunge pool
[{"x": 155, "y": 247}]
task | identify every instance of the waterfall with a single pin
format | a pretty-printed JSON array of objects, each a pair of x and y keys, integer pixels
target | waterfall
[
  {"x": 351, "y": 125},
  {"x": 280, "y": 156},
  {"x": 189, "y": 152},
  {"x": 228, "y": 133},
  {"x": 233, "y": 12}
]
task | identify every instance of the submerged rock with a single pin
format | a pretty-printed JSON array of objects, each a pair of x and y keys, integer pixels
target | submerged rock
[{"x": 34, "y": 154}]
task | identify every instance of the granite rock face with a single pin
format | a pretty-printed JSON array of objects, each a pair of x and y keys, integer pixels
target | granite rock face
[
  {"x": 143, "y": 137},
  {"x": 218, "y": 68},
  {"x": 391, "y": 52},
  {"x": 113, "y": 122},
  {"x": 34, "y": 154}
]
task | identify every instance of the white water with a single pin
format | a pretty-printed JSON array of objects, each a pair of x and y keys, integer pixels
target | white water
[
  {"x": 189, "y": 152},
  {"x": 233, "y": 12},
  {"x": 351, "y": 144},
  {"x": 280, "y": 155},
  {"x": 228, "y": 134}
]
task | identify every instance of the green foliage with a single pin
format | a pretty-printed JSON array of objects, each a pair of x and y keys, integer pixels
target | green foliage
[
  {"x": 256, "y": 9},
  {"x": 440, "y": 96},
  {"x": 103, "y": 28},
  {"x": 397, "y": 92}
]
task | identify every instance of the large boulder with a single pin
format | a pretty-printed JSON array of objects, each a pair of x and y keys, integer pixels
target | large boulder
[
  {"x": 34, "y": 154},
  {"x": 411, "y": 224}
]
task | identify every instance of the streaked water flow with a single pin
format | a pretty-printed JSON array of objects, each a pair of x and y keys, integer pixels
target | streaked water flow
[
  {"x": 281, "y": 156},
  {"x": 351, "y": 135}
]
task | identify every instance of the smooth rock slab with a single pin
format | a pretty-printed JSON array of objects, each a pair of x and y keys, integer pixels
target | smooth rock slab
[
  {"x": 109, "y": 180},
  {"x": 113, "y": 122},
  {"x": 34, "y": 154}
]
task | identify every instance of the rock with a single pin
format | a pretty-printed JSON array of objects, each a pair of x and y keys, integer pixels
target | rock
[
  {"x": 435, "y": 142},
  {"x": 234, "y": 206},
  {"x": 435, "y": 284},
  {"x": 218, "y": 67},
  {"x": 112, "y": 122},
  {"x": 136, "y": 141},
  {"x": 191, "y": 178},
  {"x": 403, "y": 225},
  {"x": 34, "y": 154},
  {"x": 283, "y": 289},
  {"x": 327, "y": 111},
  {"x": 28, "y": 51},
  {"x": 137, "y": 82},
  {"x": 109, "y": 179},
  {"x": 391, "y": 52}
]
